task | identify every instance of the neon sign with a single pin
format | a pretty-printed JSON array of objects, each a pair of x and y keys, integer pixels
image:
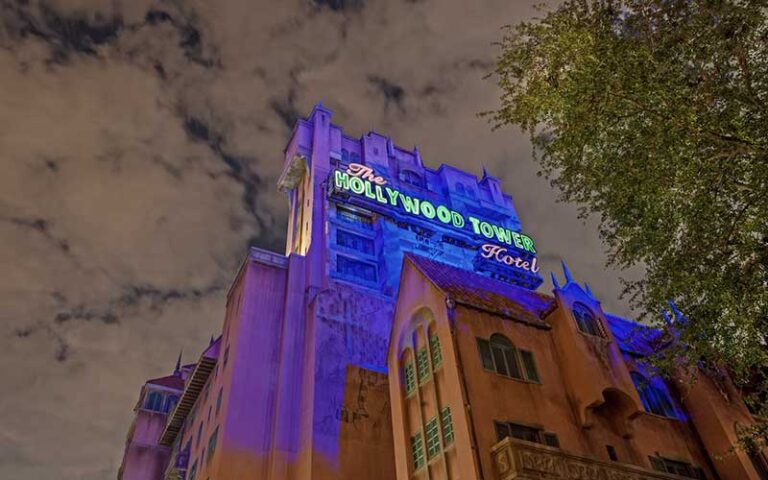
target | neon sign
[
  {"x": 362, "y": 181},
  {"x": 500, "y": 255}
]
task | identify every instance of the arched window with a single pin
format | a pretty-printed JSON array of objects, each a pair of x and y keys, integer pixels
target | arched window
[
  {"x": 154, "y": 401},
  {"x": 586, "y": 320},
  {"x": 170, "y": 403},
  {"x": 499, "y": 355},
  {"x": 460, "y": 188},
  {"x": 654, "y": 395}
]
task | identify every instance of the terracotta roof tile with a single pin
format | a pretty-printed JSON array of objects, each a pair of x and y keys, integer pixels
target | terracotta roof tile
[
  {"x": 484, "y": 293},
  {"x": 171, "y": 381}
]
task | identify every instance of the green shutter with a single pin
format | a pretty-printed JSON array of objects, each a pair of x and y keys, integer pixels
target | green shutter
[
  {"x": 433, "y": 438},
  {"x": 447, "y": 422},
  {"x": 410, "y": 378},
  {"x": 434, "y": 346},
  {"x": 486, "y": 357},
  {"x": 422, "y": 364},
  {"x": 417, "y": 451},
  {"x": 530, "y": 366}
]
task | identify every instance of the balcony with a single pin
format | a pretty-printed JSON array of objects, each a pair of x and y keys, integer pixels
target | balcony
[{"x": 520, "y": 460}]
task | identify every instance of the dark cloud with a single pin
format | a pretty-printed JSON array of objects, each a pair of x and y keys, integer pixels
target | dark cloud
[
  {"x": 340, "y": 5},
  {"x": 42, "y": 227},
  {"x": 142, "y": 141},
  {"x": 65, "y": 34},
  {"x": 286, "y": 109},
  {"x": 392, "y": 92},
  {"x": 239, "y": 166}
]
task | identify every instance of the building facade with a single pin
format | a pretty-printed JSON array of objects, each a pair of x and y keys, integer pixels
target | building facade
[{"x": 402, "y": 334}]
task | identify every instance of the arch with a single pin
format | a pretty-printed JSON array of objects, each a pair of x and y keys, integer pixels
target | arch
[
  {"x": 655, "y": 395},
  {"x": 618, "y": 408},
  {"x": 504, "y": 356},
  {"x": 586, "y": 320}
]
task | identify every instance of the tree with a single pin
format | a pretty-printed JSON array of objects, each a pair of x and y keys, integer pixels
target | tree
[{"x": 653, "y": 115}]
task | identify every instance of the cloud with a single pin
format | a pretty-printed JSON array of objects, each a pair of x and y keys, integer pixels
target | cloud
[{"x": 140, "y": 143}]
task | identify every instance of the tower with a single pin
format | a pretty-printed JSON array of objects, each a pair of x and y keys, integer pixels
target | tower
[{"x": 356, "y": 207}]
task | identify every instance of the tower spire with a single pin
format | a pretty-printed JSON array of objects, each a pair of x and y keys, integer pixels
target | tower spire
[
  {"x": 566, "y": 272},
  {"x": 177, "y": 370},
  {"x": 554, "y": 281}
]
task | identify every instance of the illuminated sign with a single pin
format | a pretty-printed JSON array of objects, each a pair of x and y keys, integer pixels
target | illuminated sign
[
  {"x": 501, "y": 255},
  {"x": 362, "y": 181}
]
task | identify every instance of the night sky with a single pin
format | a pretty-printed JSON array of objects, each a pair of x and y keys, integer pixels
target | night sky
[{"x": 140, "y": 144}]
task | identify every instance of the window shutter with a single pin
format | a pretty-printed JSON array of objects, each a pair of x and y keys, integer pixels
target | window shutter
[
  {"x": 447, "y": 423},
  {"x": 434, "y": 347},
  {"x": 530, "y": 366},
  {"x": 484, "y": 347},
  {"x": 417, "y": 451},
  {"x": 422, "y": 364},
  {"x": 513, "y": 363},
  {"x": 410, "y": 378},
  {"x": 433, "y": 438},
  {"x": 551, "y": 439},
  {"x": 657, "y": 464}
]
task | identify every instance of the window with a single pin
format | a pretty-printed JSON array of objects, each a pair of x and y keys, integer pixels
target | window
[
  {"x": 170, "y": 403},
  {"x": 353, "y": 217},
  {"x": 434, "y": 347},
  {"x": 154, "y": 401},
  {"x": 524, "y": 432},
  {"x": 500, "y": 356},
  {"x": 226, "y": 355},
  {"x": 530, "y": 366},
  {"x": 550, "y": 439},
  {"x": 218, "y": 400},
  {"x": 514, "y": 430},
  {"x": 349, "y": 157},
  {"x": 447, "y": 424},
  {"x": 193, "y": 471},
  {"x": 355, "y": 242},
  {"x": 759, "y": 462},
  {"x": 410, "y": 378},
  {"x": 586, "y": 320},
  {"x": 676, "y": 467},
  {"x": 408, "y": 176},
  {"x": 422, "y": 364},
  {"x": 417, "y": 451},
  {"x": 354, "y": 268},
  {"x": 433, "y": 438},
  {"x": 460, "y": 188},
  {"x": 654, "y": 395},
  {"x": 199, "y": 434},
  {"x": 611, "y": 453},
  {"x": 212, "y": 443}
]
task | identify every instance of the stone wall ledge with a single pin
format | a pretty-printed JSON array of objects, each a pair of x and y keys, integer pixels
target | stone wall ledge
[{"x": 521, "y": 460}]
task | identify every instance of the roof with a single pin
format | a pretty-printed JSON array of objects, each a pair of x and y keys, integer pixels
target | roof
[
  {"x": 194, "y": 386},
  {"x": 634, "y": 338},
  {"x": 171, "y": 381},
  {"x": 485, "y": 293}
]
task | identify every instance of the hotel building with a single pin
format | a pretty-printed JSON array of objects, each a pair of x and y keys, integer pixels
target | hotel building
[{"x": 405, "y": 334}]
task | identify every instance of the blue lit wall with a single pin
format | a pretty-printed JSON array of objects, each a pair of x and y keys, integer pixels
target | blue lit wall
[{"x": 367, "y": 239}]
